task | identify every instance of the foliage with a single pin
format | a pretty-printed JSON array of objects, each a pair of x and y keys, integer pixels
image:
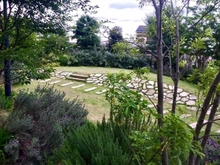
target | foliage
[
  {"x": 38, "y": 120},
  {"x": 123, "y": 48},
  {"x": 93, "y": 145},
  {"x": 103, "y": 58},
  {"x": 5, "y": 136},
  {"x": 20, "y": 22},
  {"x": 6, "y": 103},
  {"x": 135, "y": 123},
  {"x": 115, "y": 36},
  {"x": 211, "y": 151},
  {"x": 203, "y": 78},
  {"x": 86, "y": 32}
]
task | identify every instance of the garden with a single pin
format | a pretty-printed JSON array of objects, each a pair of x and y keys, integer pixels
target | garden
[{"x": 130, "y": 101}]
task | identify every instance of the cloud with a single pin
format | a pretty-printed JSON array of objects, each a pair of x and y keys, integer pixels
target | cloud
[{"x": 123, "y": 5}]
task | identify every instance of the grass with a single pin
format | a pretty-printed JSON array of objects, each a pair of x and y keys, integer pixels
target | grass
[
  {"x": 151, "y": 76},
  {"x": 96, "y": 104}
]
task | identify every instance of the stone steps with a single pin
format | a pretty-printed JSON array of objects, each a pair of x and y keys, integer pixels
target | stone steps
[{"x": 77, "y": 77}]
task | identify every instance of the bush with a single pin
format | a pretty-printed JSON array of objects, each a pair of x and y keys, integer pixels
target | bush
[
  {"x": 212, "y": 152},
  {"x": 107, "y": 59},
  {"x": 38, "y": 120},
  {"x": 92, "y": 145},
  {"x": 6, "y": 103},
  {"x": 5, "y": 136}
]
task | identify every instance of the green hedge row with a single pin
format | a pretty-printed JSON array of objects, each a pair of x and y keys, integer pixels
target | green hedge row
[{"x": 105, "y": 59}]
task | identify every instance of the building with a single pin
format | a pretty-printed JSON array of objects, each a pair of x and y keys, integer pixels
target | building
[{"x": 141, "y": 34}]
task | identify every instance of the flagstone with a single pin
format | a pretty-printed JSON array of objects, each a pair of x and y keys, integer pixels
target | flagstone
[
  {"x": 184, "y": 116},
  {"x": 78, "y": 86},
  {"x": 66, "y": 84},
  {"x": 90, "y": 89},
  {"x": 55, "y": 82},
  {"x": 190, "y": 103},
  {"x": 44, "y": 80},
  {"x": 184, "y": 94},
  {"x": 102, "y": 91}
]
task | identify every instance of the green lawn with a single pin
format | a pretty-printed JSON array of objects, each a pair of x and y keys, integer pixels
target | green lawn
[{"x": 96, "y": 104}]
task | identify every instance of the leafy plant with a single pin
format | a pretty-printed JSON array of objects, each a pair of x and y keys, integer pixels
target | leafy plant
[
  {"x": 38, "y": 120},
  {"x": 93, "y": 145},
  {"x": 5, "y": 136},
  {"x": 6, "y": 103}
]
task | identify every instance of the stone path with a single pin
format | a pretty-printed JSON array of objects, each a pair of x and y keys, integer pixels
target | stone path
[{"x": 147, "y": 88}]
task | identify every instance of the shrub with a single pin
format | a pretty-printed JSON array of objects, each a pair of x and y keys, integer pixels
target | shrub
[
  {"x": 104, "y": 58},
  {"x": 94, "y": 145},
  {"x": 5, "y": 136},
  {"x": 38, "y": 120},
  {"x": 6, "y": 103},
  {"x": 212, "y": 152}
]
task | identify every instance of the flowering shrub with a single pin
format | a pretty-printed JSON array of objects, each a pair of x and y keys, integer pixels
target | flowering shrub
[{"x": 212, "y": 151}]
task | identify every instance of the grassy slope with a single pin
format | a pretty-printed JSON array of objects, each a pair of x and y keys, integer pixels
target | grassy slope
[{"x": 96, "y": 104}]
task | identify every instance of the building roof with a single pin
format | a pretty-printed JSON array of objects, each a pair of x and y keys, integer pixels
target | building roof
[{"x": 141, "y": 29}]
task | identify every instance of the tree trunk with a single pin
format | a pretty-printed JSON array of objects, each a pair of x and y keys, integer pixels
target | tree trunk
[
  {"x": 7, "y": 63},
  {"x": 209, "y": 125},
  {"x": 202, "y": 115},
  {"x": 176, "y": 76},
  {"x": 160, "y": 77}
]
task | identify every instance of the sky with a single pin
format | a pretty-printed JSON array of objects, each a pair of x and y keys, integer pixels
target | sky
[{"x": 123, "y": 13}]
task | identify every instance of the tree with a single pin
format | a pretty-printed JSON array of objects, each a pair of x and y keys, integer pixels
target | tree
[
  {"x": 20, "y": 19},
  {"x": 175, "y": 46},
  {"x": 115, "y": 35},
  {"x": 86, "y": 32}
]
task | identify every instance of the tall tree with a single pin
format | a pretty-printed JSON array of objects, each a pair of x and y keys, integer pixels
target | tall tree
[
  {"x": 86, "y": 32},
  {"x": 115, "y": 35},
  {"x": 34, "y": 16},
  {"x": 158, "y": 6}
]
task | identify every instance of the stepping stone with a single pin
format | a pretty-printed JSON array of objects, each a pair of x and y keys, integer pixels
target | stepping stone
[
  {"x": 64, "y": 73},
  {"x": 217, "y": 117},
  {"x": 98, "y": 75},
  {"x": 193, "y": 125},
  {"x": 171, "y": 87},
  {"x": 90, "y": 89},
  {"x": 150, "y": 106},
  {"x": 55, "y": 82},
  {"x": 151, "y": 82},
  {"x": 179, "y": 90},
  {"x": 102, "y": 91},
  {"x": 69, "y": 83},
  {"x": 165, "y": 111},
  {"x": 184, "y": 94},
  {"x": 150, "y": 87},
  {"x": 190, "y": 103},
  {"x": 44, "y": 80},
  {"x": 78, "y": 86},
  {"x": 184, "y": 116},
  {"x": 208, "y": 112}
]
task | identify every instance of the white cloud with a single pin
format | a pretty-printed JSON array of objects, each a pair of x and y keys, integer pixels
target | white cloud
[{"x": 123, "y": 13}]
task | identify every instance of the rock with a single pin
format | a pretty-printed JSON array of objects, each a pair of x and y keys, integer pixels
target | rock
[
  {"x": 184, "y": 99},
  {"x": 151, "y": 92},
  {"x": 184, "y": 94},
  {"x": 97, "y": 75},
  {"x": 151, "y": 82},
  {"x": 190, "y": 103},
  {"x": 179, "y": 90},
  {"x": 150, "y": 87},
  {"x": 192, "y": 97},
  {"x": 171, "y": 87},
  {"x": 170, "y": 95},
  {"x": 165, "y": 86}
]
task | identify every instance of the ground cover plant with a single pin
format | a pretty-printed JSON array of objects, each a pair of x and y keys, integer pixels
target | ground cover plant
[{"x": 37, "y": 122}]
